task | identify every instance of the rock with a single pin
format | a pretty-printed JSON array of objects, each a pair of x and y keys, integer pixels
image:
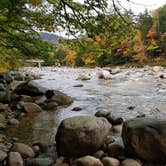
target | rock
[
  {"x": 104, "y": 74},
  {"x": 157, "y": 69},
  {"x": 36, "y": 149},
  {"x": 25, "y": 150},
  {"x": 78, "y": 85},
  {"x": 13, "y": 121},
  {"x": 81, "y": 135},
  {"x": 83, "y": 77},
  {"x": 109, "y": 161},
  {"x": 88, "y": 161},
  {"x": 76, "y": 109},
  {"x": 130, "y": 162},
  {"x": 113, "y": 119},
  {"x": 115, "y": 70},
  {"x": 99, "y": 154},
  {"x": 117, "y": 128},
  {"x": 5, "y": 78},
  {"x": 3, "y": 107},
  {"x": 30, "y": 107},
  {"x": 59, "y": 97},
  {"x": 5, "y": 96},
  {"x": 25, "y": 98},
  {"x": 146, "y": 138},
  {"x": 115, "y": 149},
  {"x": 3, "y": 156},
  {"x": 40, "y": 161},
  {"x": 49, "y": 106},
  {"x": 15, "y": 159},
  {"x": 18, "y": 76},
  {"x": 101, "y": 113},
  {"x": 2, "y": 122},
  {"x": 29, "y": 88}
]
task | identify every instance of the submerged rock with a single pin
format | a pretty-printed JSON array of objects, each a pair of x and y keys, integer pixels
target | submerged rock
[
  {"x": 81, "y": 135},
  {"x": 146, "y": 138}
]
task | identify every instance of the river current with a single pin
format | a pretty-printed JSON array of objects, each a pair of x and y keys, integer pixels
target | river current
[{"x": 130, "y": 93}]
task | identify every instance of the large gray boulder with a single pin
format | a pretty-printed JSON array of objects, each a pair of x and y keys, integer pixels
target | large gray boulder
[
  {"x": 81, "y": 135},
  {"x": 146, "y": 138},
  {"x": 29, "y": 88}
]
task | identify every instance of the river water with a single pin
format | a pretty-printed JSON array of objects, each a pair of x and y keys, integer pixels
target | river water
[{"x": 138, "y": 88}]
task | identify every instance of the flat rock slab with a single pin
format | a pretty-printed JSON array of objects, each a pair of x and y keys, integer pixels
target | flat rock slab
[{"x": 146, "y": 138}]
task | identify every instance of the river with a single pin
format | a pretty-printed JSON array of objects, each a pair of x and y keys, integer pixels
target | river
[{"x": 130, "y": 93}]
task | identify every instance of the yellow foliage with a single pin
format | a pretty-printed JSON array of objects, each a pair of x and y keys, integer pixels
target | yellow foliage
[
  {"x": 89, "y": 59},
  {"x": 70, "y": 57}
]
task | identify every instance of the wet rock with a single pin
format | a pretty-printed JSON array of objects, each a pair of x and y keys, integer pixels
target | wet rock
[
  {"x": 15, "y": 159},
  {"x": 101, "y": 113},
  {"x": 30, "y": 107},
  {"x": 25, "y": 150},
  {"x": 36, "y": 149},
  {"x": 81, "y": 135},
  {"x": 87, "y": 161},
  {"x": 115, "y": 70},
  {"x": 5, "y": 78},
  {"x": 99, "y": 154},
  {"x": 29, "y": 88},
  {"x": 83, "y": 77},
  {"x": 13, "y": 121},
  {"x": 113, "y": 119},
  {"x": 58, "y": 97},
  {"x": 3, "y": 107},
  {"x": 76, "y": 109},
  {"x": 104, "y": 74},
  {"x": 115, "y": 149},
  {"x": 109, "y": 161},
  {"x": 78, "y": 85},
  {"x": 39, "y": 161},
  {"x": 131, "y": 162},
  {"x": 146, "y": 138},
  {"x": 49, "y": 105},
  {"x": 131, "y": 107}
]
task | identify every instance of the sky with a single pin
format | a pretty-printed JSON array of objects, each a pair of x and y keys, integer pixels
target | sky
[{"x": 138, "y": 6}]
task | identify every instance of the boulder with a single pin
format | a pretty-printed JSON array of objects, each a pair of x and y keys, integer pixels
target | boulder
[
  {"x": 5, "y": 96},
  {"x": 30, "y": 107},
  {"x": 18, "y": 76},
  {"x": 87, "y": 161},
  {"x": 109, "y": 161},
  {"x": 15, "y": 159},
  {"x": 130, "y": 162},
  {"x": 25, "y": 150},
  {"x": 99, "y": 154},
  {"x": 5, "y": 78},
  {"x": 29, "y": 88},
  {"x": 101, "y": 113},
  {"x": 157, "y": 69},
  {"x": 13, "y": 121},
  {"x": 104, "y": 74},
  {"x": 81, "y": 135},
  {"x": 58, "y": 97},
  {"x": 146, "y": 138}
]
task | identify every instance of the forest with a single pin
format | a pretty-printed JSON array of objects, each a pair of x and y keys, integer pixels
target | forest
[{"x": 99, "y": 37}]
